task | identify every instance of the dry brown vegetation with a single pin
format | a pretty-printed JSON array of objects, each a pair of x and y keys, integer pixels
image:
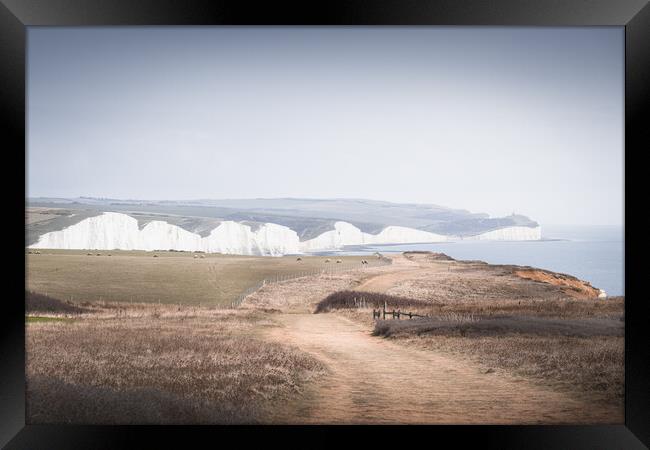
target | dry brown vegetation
[
  {"x": 591, "y": 368},
  {"x": 351, "y": 299},
  {"x": 444, "y": 281},
  {"x": 136, "y": 362},
  {"x": 570, "y": 285},
  {"x": 304, "y": 293},
  {"x": 580, "y": 355},
  {"x": 468, "y": 325},
  {"x": 494, "y": 317},
  {"x": 548, "y": 338},
  {"x": 162, "y": 365}
]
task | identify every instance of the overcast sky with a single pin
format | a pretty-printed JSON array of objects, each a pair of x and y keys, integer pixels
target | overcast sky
[{"x": 488, "y": 119}]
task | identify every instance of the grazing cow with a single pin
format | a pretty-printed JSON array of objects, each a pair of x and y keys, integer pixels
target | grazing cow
[
  {"x": 327, "y": 260},
  {"x": 89, "y": 254},
  {"x": 196, "y": 256},
  {"x": 202, "y": 256},
  {"x": 338, "y": 261},
  {"x": 99, "y": 254},
  {"x": 299, "y": 259},
  {"x": 155, "y": 256}
]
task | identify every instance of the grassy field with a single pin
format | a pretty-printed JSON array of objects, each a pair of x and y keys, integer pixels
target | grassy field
[
  {"x": 575, "y": 346},
  {"x": 168, "y": 278},
  {"x": 151, "y": 364},
  {"x": 177, "y": 362}
]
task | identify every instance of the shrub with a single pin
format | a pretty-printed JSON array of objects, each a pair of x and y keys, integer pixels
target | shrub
[
  {"x": 42, "y": 303},
  {"x": 346, "y": 299}
]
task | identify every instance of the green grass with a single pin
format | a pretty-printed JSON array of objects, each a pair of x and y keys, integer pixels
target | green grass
[
  {"x": 36, "y": 319},
  {"x": 172, "y": 277}
]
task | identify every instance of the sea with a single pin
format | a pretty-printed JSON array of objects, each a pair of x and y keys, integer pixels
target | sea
[{"x": 591, "y": 253}]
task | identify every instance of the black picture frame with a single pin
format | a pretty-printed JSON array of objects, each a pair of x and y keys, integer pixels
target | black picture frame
[{"x": 634, "y": 15}]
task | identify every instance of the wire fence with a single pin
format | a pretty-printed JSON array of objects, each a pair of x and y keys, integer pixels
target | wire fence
[{"x": 331, "y": 269}]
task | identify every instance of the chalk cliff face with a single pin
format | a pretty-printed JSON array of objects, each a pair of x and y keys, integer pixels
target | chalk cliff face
[
  {"x": 111, "y": 230},
  {"x": 342, "y": 234},
  {"x": 510, "y": 234},
  {"x": 157, "y": 233},
  {"x": 404, "y": 235},
  {"x": 235, "y": 238},
  {"x": 104, "y": 232},
  {"x": 347, "y": 234}
]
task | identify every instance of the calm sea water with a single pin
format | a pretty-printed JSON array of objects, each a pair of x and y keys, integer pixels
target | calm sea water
[{"x": 594, "y": 253}]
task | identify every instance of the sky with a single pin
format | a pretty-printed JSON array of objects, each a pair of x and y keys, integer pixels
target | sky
[{"x": 489, "y": 119}]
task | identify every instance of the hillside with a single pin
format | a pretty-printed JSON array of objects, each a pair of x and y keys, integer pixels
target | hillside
[{"x": 256, "y": 226}]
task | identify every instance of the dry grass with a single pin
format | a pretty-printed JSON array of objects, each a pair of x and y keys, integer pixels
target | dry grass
[
  {"x": 581, "y": 356},
  {"x": 570, "y": 285},
  {"x": 172, "y": 277},
  {"x": 563, "y": 308},
  {"x": 560, "y": 308},
  {"x": 162, "y": 365},
  {"x": 303, "y": 294},
  {"x": 588, "y": 367},
  {"x": 461, "y": 282},
  {"x": 574, "y": 346},
  {"x": 469, "y": 325},
  {"x": 511, "y": 324}
]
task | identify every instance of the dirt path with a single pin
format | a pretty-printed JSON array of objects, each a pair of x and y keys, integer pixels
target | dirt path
[
  {"x": 375, "y": 381},
  {"x": 381, "y": 283},
  {"x": 403, "y": 269}
]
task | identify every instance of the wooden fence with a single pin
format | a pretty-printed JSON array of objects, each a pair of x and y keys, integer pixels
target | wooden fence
[
  {"x": 381, "y": 313},
  {"x": 395, "y": 314}
]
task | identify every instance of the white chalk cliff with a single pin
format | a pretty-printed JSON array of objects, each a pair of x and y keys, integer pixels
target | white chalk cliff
[
  {"x": 347, "y": 234},
  {"x": 116, "y": 231},
  {"x": 509, "y": 234}
]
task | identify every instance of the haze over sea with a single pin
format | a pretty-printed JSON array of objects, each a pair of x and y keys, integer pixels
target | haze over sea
[{"x": 591, "y": 253}]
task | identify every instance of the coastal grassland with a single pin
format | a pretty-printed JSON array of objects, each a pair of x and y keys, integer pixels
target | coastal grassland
[
  {"x": 168, "y": 278},
  {"x": 160, "y": 364},
  {"x": 574, "y": 346}
]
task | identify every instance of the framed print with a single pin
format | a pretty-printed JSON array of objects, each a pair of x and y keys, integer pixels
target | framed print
[{"x": 332, "y": 220}]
